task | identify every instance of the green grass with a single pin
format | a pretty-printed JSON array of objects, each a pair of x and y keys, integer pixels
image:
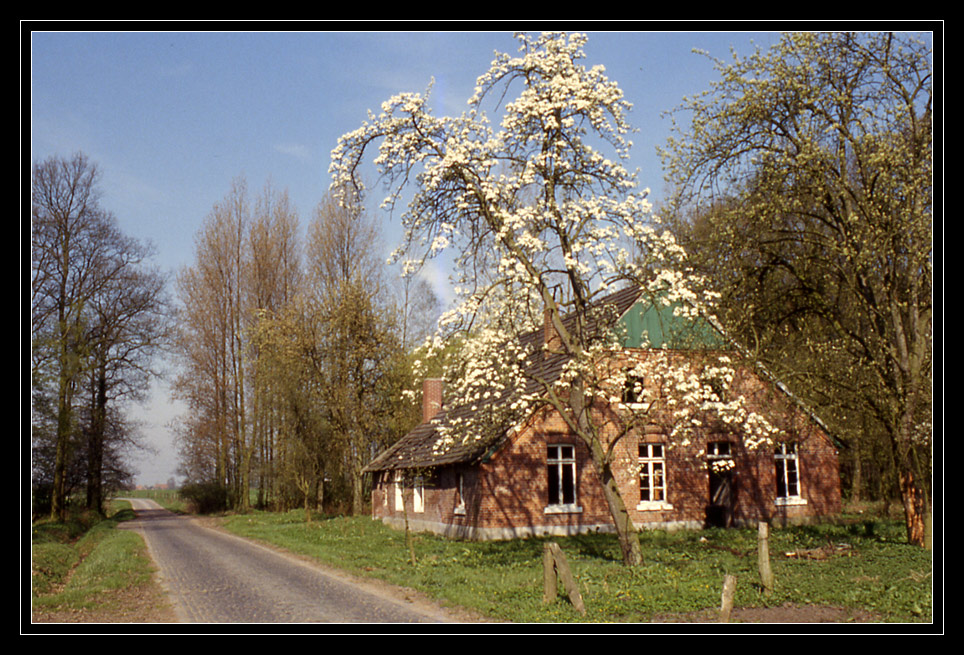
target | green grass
[
  {"x": 75, "y": 564},
  {"x": 682, "y": 572}
]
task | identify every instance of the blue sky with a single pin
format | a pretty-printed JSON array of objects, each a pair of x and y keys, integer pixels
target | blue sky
[{"x": 172, "y": 118}]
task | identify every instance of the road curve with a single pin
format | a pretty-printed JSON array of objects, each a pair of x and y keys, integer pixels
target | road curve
[{"x": 215, "y": 577}]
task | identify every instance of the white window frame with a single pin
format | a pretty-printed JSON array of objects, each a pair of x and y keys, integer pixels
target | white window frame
[
  {"x": 786, "y": 459},
  {"x": 652, "y": 477},
  {"x": 418, "y": 495},
  {"x": 460, "y": 491},
  {"x": 714, "y": 450},
  {"x": 719, "y": 456},
  {"x": 557, "y": 462},
  {"x": 399, "y": 495},
  {"x": 630, "y": 398}
]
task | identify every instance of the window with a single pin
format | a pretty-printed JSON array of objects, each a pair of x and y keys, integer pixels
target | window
[
  {"x": 717, "y": 386},
  {"x": 652, "y": 477},
  {"x": 720, "y": 457},
  {"x": 418, "y": 495},
  {"x": 459, "y": 495},
  {"x": 634, "y": 391},
  {"x": 399, "y": 498},
  {"x": 788, "y": 475},
  {"x": 561, "y": 476},
  {"x": 718, "y": 450}
]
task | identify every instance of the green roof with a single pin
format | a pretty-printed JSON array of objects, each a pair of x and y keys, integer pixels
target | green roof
[{"x": 646, "y": 325}]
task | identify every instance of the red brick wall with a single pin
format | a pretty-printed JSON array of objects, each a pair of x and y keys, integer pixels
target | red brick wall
[{"x": 510, "y": 490}]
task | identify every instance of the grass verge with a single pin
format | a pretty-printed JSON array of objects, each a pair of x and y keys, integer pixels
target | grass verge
[
  {"x": 86, "y": 570},
  {"x": 876, "y": 577}
]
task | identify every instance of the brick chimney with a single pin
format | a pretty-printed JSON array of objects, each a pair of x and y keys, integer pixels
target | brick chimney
[
  {"x": 550, "y": 334},
  {"x": 431, "y": 397}
]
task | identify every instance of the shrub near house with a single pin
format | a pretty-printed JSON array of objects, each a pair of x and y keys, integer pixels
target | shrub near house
[{"x": 539, "y": 480}]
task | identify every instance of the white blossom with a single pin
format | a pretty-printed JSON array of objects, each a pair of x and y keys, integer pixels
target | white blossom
[{"x": 540, "y": 219}]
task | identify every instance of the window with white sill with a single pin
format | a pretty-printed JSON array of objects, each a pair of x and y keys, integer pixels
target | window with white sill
[
  {"x": 561, "y": 479},
  {"x": 652, "y": 477},
  {"x": 788, "y": 475}
]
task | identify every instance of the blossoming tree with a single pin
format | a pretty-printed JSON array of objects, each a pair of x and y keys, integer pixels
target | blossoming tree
[{"x": 543, "y": 224}]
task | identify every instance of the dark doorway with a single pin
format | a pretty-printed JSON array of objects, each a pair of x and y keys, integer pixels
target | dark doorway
[{"x": 719, "y": 513}]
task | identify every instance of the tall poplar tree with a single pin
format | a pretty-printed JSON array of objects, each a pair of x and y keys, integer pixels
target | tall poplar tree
[{"x": 211, "y": 341}]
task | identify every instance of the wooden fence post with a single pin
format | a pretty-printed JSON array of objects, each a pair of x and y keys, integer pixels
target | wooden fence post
[
  {"x": 763, "y": 557},
  {"x": 729, "y": 587},
  {"x": 549, "y": 585},
  {"x": 554, "y": 563}
]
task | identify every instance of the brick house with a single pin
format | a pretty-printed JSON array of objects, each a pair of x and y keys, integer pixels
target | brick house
[{"x": 541, "y": 480}]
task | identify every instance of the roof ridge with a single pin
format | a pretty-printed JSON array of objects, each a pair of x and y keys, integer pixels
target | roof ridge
[{"x": 413, "y": 449}]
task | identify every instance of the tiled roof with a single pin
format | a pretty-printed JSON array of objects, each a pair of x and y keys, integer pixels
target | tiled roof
[{"x": 416, "y": 449}]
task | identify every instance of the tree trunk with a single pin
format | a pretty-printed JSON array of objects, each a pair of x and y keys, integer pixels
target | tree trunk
[
  {"x": 95, "y": 445},
  {"x": 915, "y": 508},
  {"x": 58, "y": 500},
  {"x": 357, "y": 481},
  {"x": 857, "y": 479},
  {"x": 913, "y": 493},
  {"x": 357, "y": 491},
  {"x": 625, "y": 530}
]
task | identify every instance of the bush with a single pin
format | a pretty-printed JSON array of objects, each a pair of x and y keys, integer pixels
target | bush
[{"x": 205, "y": 497}]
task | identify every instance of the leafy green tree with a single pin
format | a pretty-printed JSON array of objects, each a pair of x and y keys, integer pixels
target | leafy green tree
[
  {"x": 806, "y": 176},
  {"x": 358, "y": 344},
  {"x": 292, "y": 409}
]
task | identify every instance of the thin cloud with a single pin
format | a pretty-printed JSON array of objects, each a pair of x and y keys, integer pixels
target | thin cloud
[{"x": 296, "y": 150}]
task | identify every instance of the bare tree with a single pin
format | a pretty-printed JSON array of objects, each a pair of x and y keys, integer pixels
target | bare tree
[
  {"x": 246, "y": 278},
  {"x": 129, "y": 324},
  {"x": 211, "y": 340},
  {"x": 96, "y": 310}
]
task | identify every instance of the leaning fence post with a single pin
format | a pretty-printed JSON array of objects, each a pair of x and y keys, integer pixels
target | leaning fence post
[
  {"x": 763, "y": 556},
  {"x": 553, "y": 563}
]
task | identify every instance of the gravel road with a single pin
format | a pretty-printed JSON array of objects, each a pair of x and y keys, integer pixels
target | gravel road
[{"x": 215, "y": 577}]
